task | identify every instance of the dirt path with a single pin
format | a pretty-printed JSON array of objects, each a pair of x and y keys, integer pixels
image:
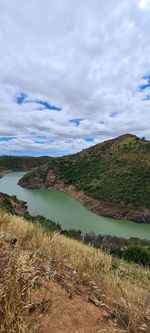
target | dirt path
[{"x": 67, "y": 314}]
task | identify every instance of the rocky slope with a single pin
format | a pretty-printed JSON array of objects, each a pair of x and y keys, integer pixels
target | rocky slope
[
  {"x": 110, "y": 179},
  {"x": 3, "y": 172},
  {"x": 12, "y": 205}
]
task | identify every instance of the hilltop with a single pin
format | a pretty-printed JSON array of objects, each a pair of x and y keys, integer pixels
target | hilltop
[
  {"x": 50, "y": 283},
  {"x": 110, "y": 178}
]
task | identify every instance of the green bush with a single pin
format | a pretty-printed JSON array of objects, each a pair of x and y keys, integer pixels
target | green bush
[
  {"x": 137, "y": 254},
  {"x": 115, "y": 251}
]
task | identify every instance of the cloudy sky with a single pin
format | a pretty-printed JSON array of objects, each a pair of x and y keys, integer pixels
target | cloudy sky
[{"x": 73, "y": 73}]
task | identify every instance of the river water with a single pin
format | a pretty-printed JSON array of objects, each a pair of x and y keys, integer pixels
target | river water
[{"x": 68, "y": 212}]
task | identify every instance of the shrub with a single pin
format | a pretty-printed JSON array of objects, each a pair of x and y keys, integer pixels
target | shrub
[
  {"x": 115, "y": 251},
  {"x": 137, "y": 254}
]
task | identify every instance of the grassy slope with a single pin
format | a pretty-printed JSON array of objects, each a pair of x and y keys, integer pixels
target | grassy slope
[
  {"x": 116, "y": 172},
  {"x": 39, "y": 266}
]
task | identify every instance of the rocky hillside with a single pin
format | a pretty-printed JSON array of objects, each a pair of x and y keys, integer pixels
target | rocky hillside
[
  {"x": 111, "y": 178},
  {"x": 11, "y": 204}
]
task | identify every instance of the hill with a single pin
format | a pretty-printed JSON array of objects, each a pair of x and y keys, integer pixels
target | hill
[
  {"x": 111, "y": 178},
  {"x": 8, "y": 163},
  {"x": 49, "y": 283}
]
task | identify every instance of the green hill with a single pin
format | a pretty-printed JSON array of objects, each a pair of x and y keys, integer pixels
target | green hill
[
  {"x": 8, "y": 163},
  {"x": 111, "y": 178}
]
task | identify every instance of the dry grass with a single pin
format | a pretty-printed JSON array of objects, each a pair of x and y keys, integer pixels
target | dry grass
[{"x": 124, "y": 289}]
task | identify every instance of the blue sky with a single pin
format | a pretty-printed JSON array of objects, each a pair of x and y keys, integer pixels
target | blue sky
[
  {"x": 6, "y": 139},
  {"x": 72, "y": 74}
]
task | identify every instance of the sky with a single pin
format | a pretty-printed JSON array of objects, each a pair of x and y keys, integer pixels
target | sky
[{"x": 73, "y": 73}]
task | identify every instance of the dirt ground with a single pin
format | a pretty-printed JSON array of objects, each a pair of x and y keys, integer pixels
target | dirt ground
[{"x": 68, "y": 313}]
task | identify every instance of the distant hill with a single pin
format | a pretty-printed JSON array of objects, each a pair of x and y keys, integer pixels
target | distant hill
[
  {"x": 111, "y": 178},
  {"x": 20, "y": 162}
]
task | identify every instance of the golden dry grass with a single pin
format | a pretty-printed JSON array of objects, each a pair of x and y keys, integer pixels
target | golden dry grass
[{"x": 124, "y": 289}]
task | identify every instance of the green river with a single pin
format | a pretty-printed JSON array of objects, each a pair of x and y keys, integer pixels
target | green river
[{"x": 68, "y": 212}]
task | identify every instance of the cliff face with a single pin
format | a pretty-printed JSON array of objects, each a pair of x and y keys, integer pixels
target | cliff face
[{"x": 110, "y": 179}]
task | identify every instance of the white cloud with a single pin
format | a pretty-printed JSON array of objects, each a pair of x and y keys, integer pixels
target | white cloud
[
  {"x": 87, "y": 57},
  {"x": 144, "y": 3}
]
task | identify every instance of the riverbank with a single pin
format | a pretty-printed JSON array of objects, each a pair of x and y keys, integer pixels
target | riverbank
[
  {"x": 68, "y": 212},
  {"x": 141, "y": 215},
  {"x": 117, "y": 246},
  {"x": 3, "y": 172},
  {"x": 103, "y": 209},
  {"x": 11, "y": 204}
]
